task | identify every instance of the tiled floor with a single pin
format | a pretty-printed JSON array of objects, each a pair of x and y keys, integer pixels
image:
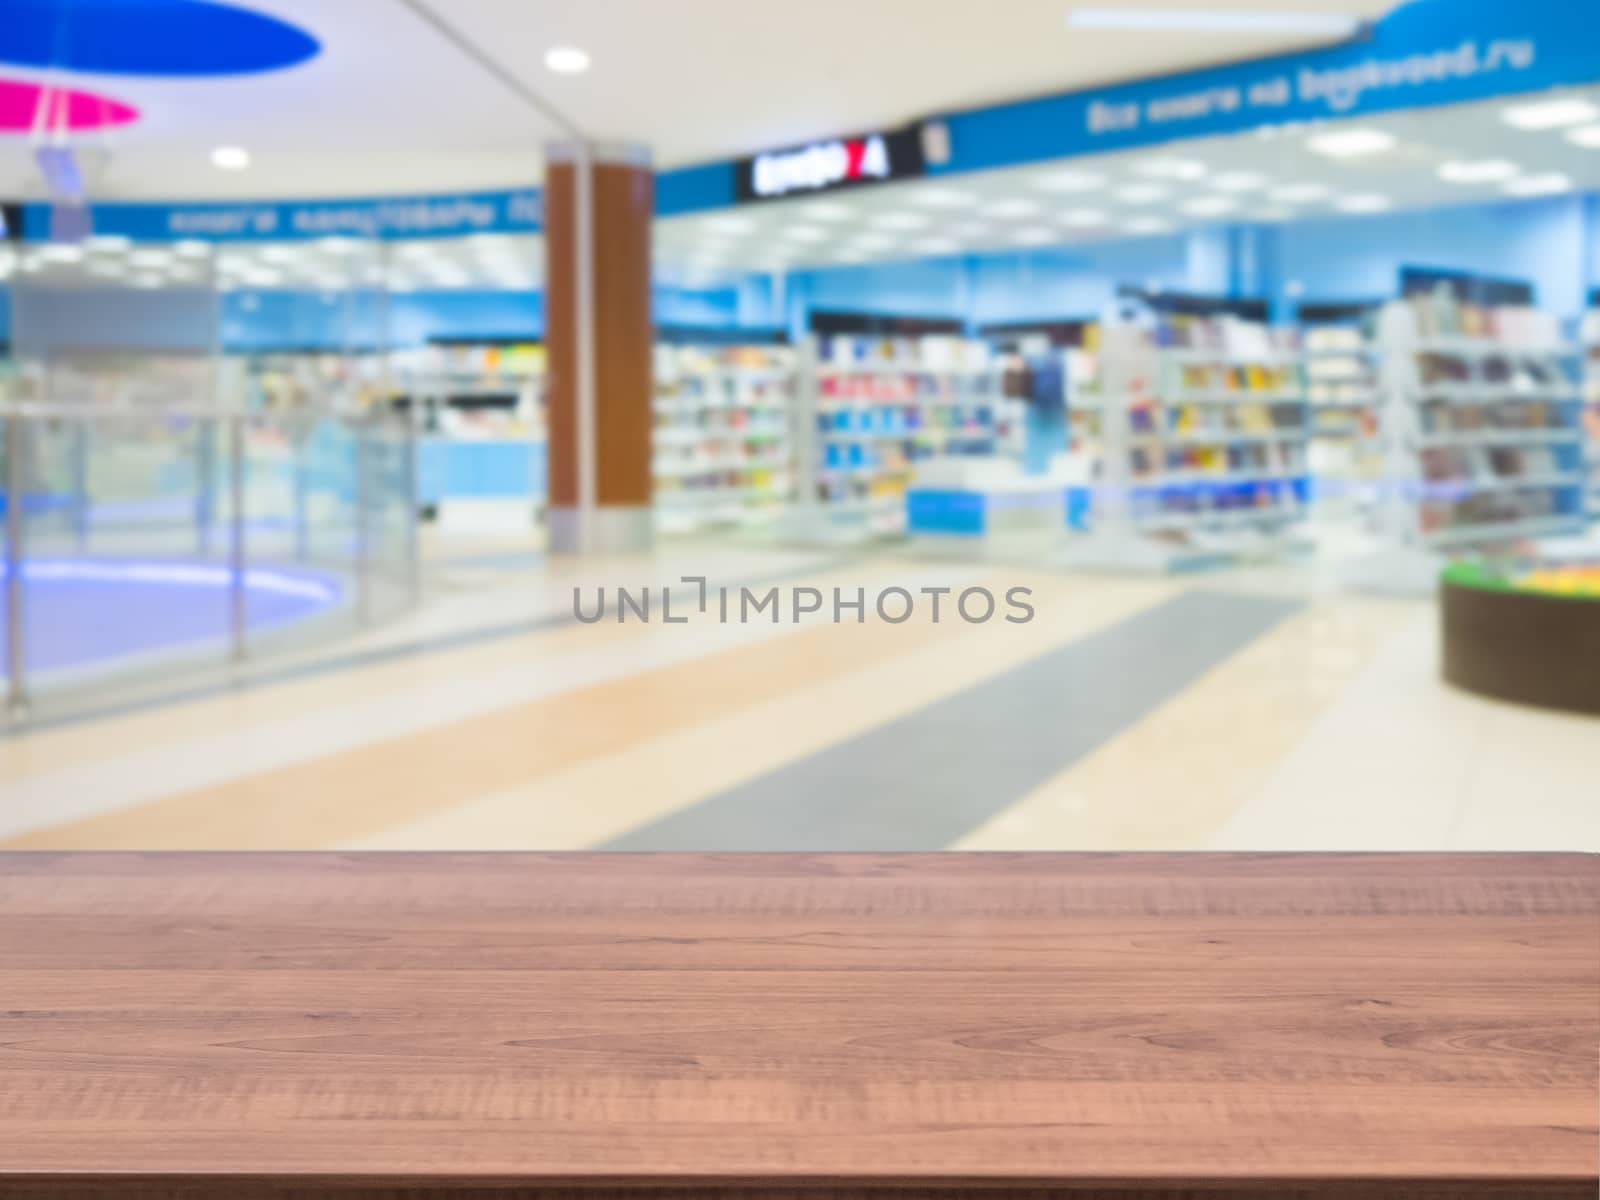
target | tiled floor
[{"x": 1254, "y": 709}]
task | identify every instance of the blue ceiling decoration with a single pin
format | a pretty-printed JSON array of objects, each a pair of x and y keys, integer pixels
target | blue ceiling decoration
[{"x": 149, "y": 37}]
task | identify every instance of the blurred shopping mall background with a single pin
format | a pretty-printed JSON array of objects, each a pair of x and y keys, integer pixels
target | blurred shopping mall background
[{"x": 351, "y": 354}]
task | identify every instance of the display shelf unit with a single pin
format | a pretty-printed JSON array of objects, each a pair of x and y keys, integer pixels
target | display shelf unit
[
  {"x": 1482, "y": 431},
  {"x": 876, "y": 407},
  {"x": 1202, "y": 433},
  {"x": 723, "y": 440},
  {"x": 1343, "y": 395}
]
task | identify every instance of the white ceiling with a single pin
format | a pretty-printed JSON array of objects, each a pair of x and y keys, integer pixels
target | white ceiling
[
  {"x": 389, "y": 106},
  {"x": 1237, "y": 178}
]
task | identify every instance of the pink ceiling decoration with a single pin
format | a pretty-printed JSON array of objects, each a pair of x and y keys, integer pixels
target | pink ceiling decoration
[{"x": 69, "y": 108}]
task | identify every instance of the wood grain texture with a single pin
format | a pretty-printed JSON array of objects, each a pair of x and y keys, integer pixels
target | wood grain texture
[{"x": 1126, "y": 1026}]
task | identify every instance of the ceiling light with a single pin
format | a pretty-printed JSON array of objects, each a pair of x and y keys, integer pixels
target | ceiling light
[
  {"x": 1298, "y": 193},
  {"x": 147, "y": 281},
  {"x": 828, "y": 212},
  {"x": 1488, "y": 170},
  {"x": 1208, "y": 206},
  {"x": 1011, "y": 208},
  {"x": 1189, "y": 20},
  {"x": 937, "y": 245},
  {"x": 1239, "y": 181},
  {"x": 230, "y": 158},
  {"x": 967, "y": 229},
  {"x": 871, "y": 241},
  {"x": 1142, "y": 193},
  {"x": 1082, "y": 218},
  {"x": 1035, "y": 237},
  {"x": 1144, "y": 225},
  {"x": 566, "y": 60},
  {"x": 339, "y": 245},
  {"x": 149, "y": 258},
  {"x": 1550, "y": 114},
  {"x": 109, "y": 241},
  {"x": 1538, "y": 185},
  {"x": 1273, "y": 214},
  {"x": 1069, "y": 181},
  {"x": 1588, "y": 136},
  {"x": 1171, "y": 168},
  {"x": 1363, "y": 202},
  {"x": 193, "y": 248},
  {"x": 62, "y": 253},
  {"x": 277, "y": 254},
  {"x": 805, "y": 233},
  {"x": 899, "y": 220},
  {"x": 1351, "y": 143},
  {"x": 941, "y": 198}
]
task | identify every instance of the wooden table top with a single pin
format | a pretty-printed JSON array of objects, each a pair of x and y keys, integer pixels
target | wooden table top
[{"x": 1130, "y": 1025}]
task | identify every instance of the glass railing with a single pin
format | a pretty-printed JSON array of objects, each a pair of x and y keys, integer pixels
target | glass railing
[{"x": 162, "y": 546}]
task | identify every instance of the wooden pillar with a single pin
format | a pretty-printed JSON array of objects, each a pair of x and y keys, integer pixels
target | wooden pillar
[{"x": 599, "y": 336}]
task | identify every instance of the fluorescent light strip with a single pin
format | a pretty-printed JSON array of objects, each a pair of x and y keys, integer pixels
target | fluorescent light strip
[{"x": 1189, "y": 20}]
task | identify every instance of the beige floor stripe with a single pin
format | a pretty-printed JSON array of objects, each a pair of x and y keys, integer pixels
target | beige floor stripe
[
  {"x": 340, "y": 798},
  {"x": 600, "y": 798}
]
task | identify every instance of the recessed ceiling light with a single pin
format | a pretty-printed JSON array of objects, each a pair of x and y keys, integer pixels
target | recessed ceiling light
[
  {"x": 871, "y": 241},
  {"x": 1363, "y": 202},
  {"x": 1082, "y": 218},
  {"x": 1351, "y": 143},
  {"x": 1142, "y": 193},
  {"x": 1488, "y": 170},
  {"x": 1035, "y": 237},
  {"x": 230, "y": 158},
  {"x": 968, "y": 229},
  {"x": 937, "y": 246},
  {"x": 899, "y": 220},
  {"x": 109, "y": 241},
  {"x": 805, "y": 233},
  {"x": 1144, "y": 225},
  {"x": 149, "y": 258},
  {"x": 1238, "y": 181},
  {"x": 62, "y": 253},
  {"x": 1208, "y": 206},
  {"x": 1550, "y": 114},
  {"x": 193, "y": 248},
  {"x": 1190, "y": 20},
  {"x": 276, "y": 254},
  {"x": 1069, "y": 181},
  {"x": 823, "y": 211},
  {"x": 1012, "y": 208},
  {"x": 1273, "y": 214},
  {"x": 566, "y": 60},
  {"x": 1171, "y": 168},
  {"x": 1538, "y": 185},
  {"x": 1588, "y": 136},
  {"x": 1298, "y": 193},
  {"x": 941, "y": 198}
]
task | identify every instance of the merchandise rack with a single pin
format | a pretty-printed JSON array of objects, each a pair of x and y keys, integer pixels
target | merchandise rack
[
  {"x": 1202, "y": 444},
  {"x": 1482, "y": 437},
  {"x": 876, "y": 407},
  {"x": 723, "y": 441},
  {"x": 1343, "y": 398}
]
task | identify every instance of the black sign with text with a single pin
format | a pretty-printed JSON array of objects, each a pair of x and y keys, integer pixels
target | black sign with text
[{"x": 828, "y": 166}]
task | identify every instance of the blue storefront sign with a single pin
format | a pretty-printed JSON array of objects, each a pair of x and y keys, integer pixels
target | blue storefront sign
[{"x": 394, "y": 217}]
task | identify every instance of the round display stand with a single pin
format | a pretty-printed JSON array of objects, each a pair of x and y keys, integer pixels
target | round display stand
[{"x": 1530, "y": 636}]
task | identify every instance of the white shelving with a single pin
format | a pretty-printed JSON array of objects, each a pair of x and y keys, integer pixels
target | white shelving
[
  {"x": 1481, "y": 434},
  {"x": 873, "y": 408},
  {"x": 724, "y": 435}
]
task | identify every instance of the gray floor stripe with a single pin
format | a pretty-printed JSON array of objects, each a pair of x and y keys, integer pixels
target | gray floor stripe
[{"x": 925, "y": 780}]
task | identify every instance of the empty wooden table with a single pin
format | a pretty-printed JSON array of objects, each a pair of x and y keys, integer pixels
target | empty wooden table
[{"x": 205, "y": 1025}]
